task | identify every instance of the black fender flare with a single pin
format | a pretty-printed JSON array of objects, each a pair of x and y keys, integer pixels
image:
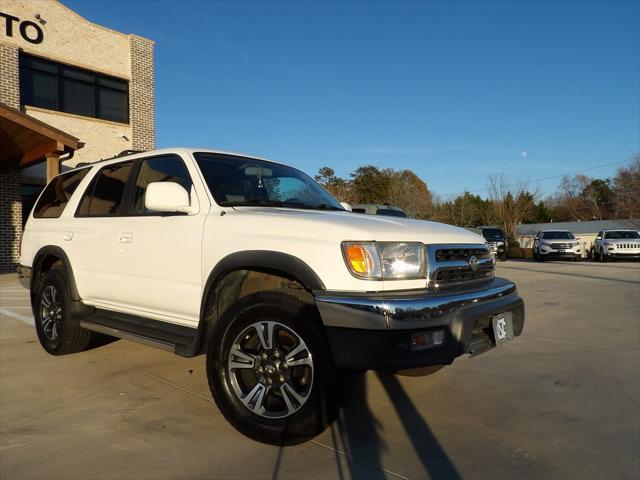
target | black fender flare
[
  {"x": 66, "y": 265},
  {"x": 267, "y": 261},
  {"x": 262, "y": 260}
]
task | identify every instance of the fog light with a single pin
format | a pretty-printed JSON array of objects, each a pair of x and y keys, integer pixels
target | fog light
[{"x": 424, "y": 340}]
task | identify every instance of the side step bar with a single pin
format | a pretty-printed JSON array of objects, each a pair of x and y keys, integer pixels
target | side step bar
[{"x": 166, "y": 336}]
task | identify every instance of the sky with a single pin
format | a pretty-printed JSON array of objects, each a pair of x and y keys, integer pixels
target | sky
[{"x": 455, "y": 91}]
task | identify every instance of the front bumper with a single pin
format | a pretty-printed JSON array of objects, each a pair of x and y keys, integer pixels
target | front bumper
[
  {"x": 564, "y": 254},
  {"x": 623, "y": 254},
  {"x": 373, "y": 331},
  {"x": 24, "y": 276}
]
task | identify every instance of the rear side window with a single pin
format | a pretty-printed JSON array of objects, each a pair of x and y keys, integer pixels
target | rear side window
[
  {"x": 168, "y": 168},
  {"x": 57, "y": 194},
  {"x": 105, "y": 195}
]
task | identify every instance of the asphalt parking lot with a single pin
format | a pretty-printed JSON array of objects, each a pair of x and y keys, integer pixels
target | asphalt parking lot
[{"x": 561, "y": 401}]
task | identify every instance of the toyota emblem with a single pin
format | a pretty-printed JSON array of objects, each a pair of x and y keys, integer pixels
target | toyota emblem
[{"x": 473, "y": 263}]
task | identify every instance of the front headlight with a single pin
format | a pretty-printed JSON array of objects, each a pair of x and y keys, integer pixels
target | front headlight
[{"x": 385, "y": 260}]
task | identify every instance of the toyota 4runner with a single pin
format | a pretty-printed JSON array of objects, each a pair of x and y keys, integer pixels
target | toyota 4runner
[{"x": 254, "y": 264}]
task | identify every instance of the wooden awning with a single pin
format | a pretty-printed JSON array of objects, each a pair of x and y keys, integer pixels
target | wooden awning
[{"x": 25, "y": 141}]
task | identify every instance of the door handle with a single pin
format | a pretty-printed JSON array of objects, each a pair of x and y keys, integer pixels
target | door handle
[
  {"x": 126, "y": 237},
  {"x": 68, "y": 236}
]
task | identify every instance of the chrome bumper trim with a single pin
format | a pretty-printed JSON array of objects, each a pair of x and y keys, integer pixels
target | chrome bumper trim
[{"x": 403, "y": 312}]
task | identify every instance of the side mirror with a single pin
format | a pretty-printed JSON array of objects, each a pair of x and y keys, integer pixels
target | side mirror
[
  {"x": 167, "y": 197},
  {"x": 346, "y": 206}
]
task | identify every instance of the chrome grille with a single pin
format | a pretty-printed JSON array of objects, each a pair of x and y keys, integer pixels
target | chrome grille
[
  {"x": 628, "y": 245},
  {"x": 560, "y": 246},
  {"x": 450, "y": 264}
]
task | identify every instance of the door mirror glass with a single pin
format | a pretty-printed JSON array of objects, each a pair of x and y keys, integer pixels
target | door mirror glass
[{"x": 166, "y": 197}]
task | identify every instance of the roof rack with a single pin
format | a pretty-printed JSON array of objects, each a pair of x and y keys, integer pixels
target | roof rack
[{"x": 123, "y": 153}]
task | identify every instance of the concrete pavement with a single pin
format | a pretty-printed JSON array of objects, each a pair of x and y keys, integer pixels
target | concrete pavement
[{"x": 561, "y": 401}]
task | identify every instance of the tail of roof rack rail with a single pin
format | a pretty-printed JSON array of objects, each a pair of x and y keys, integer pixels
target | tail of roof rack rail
[{"x": 123, "y": 153}]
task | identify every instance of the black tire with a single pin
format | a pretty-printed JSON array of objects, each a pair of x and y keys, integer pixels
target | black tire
[
  {"x": 540, "y": 257},
  {"x": 603, "y": 257},
  {"x": 237, "y": 328},
  {"x": 57, "y": 332},
  {"x": 503, "y": 257}
]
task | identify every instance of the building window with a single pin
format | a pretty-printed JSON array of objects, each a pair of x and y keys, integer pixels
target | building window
[{"x": 60, "y": 87}]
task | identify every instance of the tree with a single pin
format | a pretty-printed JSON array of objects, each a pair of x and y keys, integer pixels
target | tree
[
  {"x": 336, "y": 186},
  {"x": 626, "y": 190},
  {"x": 409, "y": 192},
  {"x": 465, "y": 210},
  {"x": 370, "y": 185},
  {"x": 510, "y": 208}
]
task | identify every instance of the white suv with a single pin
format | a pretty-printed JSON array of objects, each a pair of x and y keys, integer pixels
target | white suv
[
  {"x": 558, "y": 244},
  {"x": 611, "y": 244},
  {"x": 255, "y": 265}
]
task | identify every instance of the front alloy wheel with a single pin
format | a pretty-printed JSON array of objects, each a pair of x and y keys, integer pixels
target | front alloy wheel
[{"x": 270, "y": 369}]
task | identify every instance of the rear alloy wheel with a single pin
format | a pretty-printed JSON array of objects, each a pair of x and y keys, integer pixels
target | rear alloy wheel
[
  {"x": 57, "y": 332},
  {"x": 270, "y": 369}
]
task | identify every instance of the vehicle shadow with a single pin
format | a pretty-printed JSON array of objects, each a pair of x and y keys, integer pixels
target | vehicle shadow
[{"x": 359, "y": 434}]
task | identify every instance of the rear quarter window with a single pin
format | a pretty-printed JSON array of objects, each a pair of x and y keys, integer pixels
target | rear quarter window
[{"x": 56, "y": 195}]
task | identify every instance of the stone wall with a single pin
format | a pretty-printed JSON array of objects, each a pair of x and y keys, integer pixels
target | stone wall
[
  {"x": 10, "y": 220},
  {"x": 141, "y": 94},
  {"x": 9, "y": 76}
]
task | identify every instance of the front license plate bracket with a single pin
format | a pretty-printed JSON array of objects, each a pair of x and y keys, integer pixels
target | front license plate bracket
[{"x": 502, "y": 327}]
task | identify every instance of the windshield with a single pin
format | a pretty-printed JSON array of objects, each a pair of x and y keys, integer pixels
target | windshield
[
  {"x": 240, "y": 181},
  {"x": 558, "y": 236},
  {"x": 621, "y": 235},
  {"x": 492, "y": 233}
]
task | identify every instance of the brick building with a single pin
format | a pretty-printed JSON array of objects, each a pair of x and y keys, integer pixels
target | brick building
[{"x": 84, "y": 92}]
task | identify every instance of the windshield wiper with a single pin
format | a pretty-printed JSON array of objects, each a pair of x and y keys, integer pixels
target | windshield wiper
[
  {"x": 275, "y": 203},
  {"x": 326, "y": 206}
]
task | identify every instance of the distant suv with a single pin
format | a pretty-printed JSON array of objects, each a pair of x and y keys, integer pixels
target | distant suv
[
  {"x": 556, "y": 244},
  {"x": 610, "y": 244},
  {"x": 254, "y": 264},
  {"x": 374, "y": 209},
  {"x": 497, "y": 240}
]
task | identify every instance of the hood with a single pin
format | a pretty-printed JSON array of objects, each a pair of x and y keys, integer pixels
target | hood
[{"x": 351, "y": 226}]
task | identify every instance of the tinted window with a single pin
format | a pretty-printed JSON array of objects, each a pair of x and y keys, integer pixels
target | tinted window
[
  {"x": 492, "y": 233},
  {"x": 159, "y": 169},
  {"x": 619, "y": 235},
  {"x": 56, "y": 195},
  {"x": 56, "y": 86},
  {"x": 105, "y": 194},
  {"x": 558, "y": 236},
  {"x": 389, "y": 212}
]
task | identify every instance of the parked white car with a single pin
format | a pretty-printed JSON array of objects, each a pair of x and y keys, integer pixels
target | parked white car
[
  {"x": 254, "y": 264},
  {"x": 558, "y": 244},
  {"x": 612, "y": 244}
]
